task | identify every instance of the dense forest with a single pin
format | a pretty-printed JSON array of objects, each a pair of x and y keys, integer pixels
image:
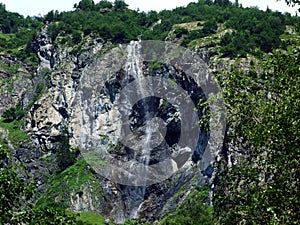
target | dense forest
[
  {"x": 256, "y": 33},
  {"x": 262, "y": 103}
]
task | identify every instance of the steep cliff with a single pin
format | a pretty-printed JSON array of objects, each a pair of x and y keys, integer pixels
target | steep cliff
[
  {"x": 86, "y": 88},
  {"x": 108, "y": 123}
]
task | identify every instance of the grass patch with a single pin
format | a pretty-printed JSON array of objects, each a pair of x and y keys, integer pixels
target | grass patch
[
  {"x": 93, "y": 158},
  {"x": 15, "y": 135},
  {"x": 155, "y": 66},
  {"x": 91, "y": 218},
  {"x": 60, "y": 187},
  {"x": 12, "y": 71},
  {"x": 7, "y": 37},
  {"x": 182, "y": 189},
  {"x": 193, "y": 210}
]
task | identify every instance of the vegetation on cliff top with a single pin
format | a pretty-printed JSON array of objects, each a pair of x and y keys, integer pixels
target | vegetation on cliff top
[{"x": 257, "y": 32}]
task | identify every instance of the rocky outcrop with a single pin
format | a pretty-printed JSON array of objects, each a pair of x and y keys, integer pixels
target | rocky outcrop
[
  {"x": 16, "y": 79},
  {"x": 60, "y": 67},
  {"x": 81, "y": 89}
]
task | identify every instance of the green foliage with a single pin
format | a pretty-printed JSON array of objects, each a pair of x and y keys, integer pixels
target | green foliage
[
  {"x": 10, "y": 69},
  {"x": 13, "y": 113},
  {"x": 16, "y": 33},
  {"x": 53, "y": 30},
  {"x": 155, "y": 66},
  {"x": 86, "y": 5},
  {"x": 51, "y": 16},
  {"x": 210, "y": 27},
  {"x": 64, "y": 156},
  {"x": 71, "y": 180},
  {"x": 91, "y": 218},
  {"x": 257, "y": 30},
  {"x": 120, "y": 5},
  {"x": 39, "y": 91},
  {"x": 13, "y": 189},
  {"x": 15, "y": 198},
  {"x": 192, "y": 211},
  {"x": 262, "y": 187},
  {"x": 116, "y": 23},
  {"x": 179, "y": 32},
  {"x": 15, "y": 135},
  {"x": 223, "y": 3},
  {"x": 104, "y": 4},
  {"x": 52, "y": 215},
  {"x": 226, "y": 39},
  {"x": 116, "y": 26},
  {"x": 135, "y": 222},
  {"x": 76, "y": 37}
]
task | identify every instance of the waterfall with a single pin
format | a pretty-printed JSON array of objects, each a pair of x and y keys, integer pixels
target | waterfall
[{"x": 133, "y": 67}]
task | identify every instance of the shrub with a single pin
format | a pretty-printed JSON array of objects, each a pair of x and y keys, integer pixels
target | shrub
[{"x": 64, "y": 156}]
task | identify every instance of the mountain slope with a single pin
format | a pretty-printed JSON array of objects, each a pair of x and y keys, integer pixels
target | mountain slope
[{"x": 46, "y": 64}]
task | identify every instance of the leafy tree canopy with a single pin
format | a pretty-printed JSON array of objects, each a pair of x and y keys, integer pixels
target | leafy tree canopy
[
  {"x": 261, "y": 186},
  {"x": 16, "y": 196}
]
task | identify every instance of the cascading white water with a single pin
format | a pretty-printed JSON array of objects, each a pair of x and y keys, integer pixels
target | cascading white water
[{"x": 133, "y": 67}]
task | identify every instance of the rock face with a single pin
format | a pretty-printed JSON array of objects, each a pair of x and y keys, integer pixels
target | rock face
[
  {"x": 82, "y": 89},
  {"x": 16, "y": 78}
]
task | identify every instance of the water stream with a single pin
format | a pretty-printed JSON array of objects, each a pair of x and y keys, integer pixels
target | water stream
[{"x": 134, "y": 66}]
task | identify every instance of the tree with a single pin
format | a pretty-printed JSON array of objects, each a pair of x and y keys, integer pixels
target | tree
[
  {"x": 76, "y": 37},
  {"x": 13, "y": 113},
  {"x": 210, "y": 27},
  {"x": 104, "y": 4},
  {"x": 12, "y": 188},
  {"x": 263, "y": 142},
  {"x": 208, "y": 2},
  {"x": 16, "y": 196},
  {"x": 64, "y": 156},
  {"x": 120, "y": 4},
  {"x": 179, "y": 32},
  {"x": 223, "y": 3},
  {"x": 51, "y": 16},
  {"x": 86, "y": 5},
  {"x": 193, "y": 210},
  {"x": 53, "y": 30},
  {"x": 226, "y": 39}
]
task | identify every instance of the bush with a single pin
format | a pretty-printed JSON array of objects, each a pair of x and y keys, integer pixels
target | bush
[
  {"x": 261, "y": 186},
  {"x": 76, "y": 37},
  {"x": 15, "y": 198},
  {"x": 210, "y": 27},
  {"x": 193, "y": 210},
  {"x": 179, "y": 32},
  {"x": 120, "y": 4},
  {"x": 64, "y": 156},
  {"x": 104, "y": 4},
  {"x": 13, "y": 113}
]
